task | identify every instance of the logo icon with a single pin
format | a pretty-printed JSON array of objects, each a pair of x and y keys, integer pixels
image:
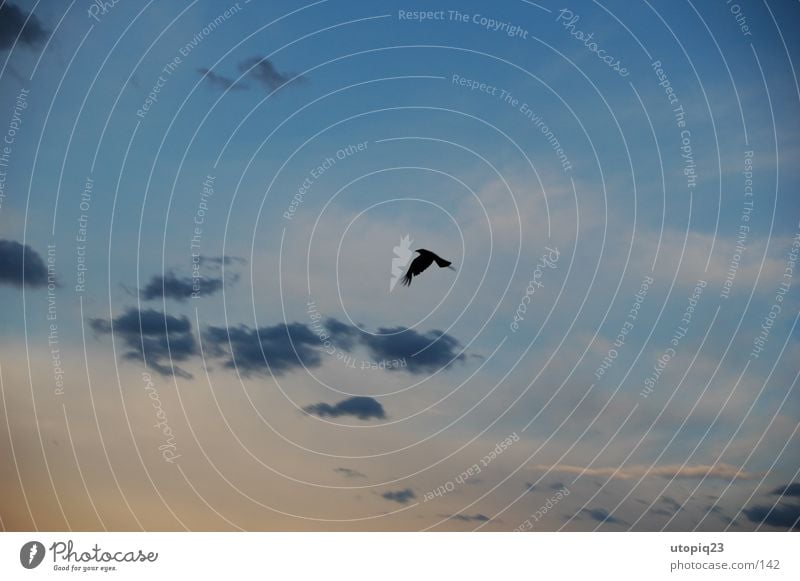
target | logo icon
[
  {"x": 31, "y": 554},
  {"x": 402, "y": 256}
]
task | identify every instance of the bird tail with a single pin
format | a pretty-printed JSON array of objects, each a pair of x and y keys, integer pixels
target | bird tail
[
  {"x": 442, "y": 263},
  {"x": 407, "y": 279}
]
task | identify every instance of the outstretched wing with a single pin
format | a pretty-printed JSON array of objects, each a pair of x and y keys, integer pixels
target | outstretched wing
[
  {"x": 441, "y": 262},
  {"x": 431, "y": 256},
  {"x": 419, "y": 264}
]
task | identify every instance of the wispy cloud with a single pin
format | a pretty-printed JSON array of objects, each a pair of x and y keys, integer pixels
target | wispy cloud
[
  {"x": 172, "y": 286},
  {"x": 601, "y": 515},
  {"x": 724, "y": 471},
  {"x": 220, "y": 260},
  {"x": 478, "y": 517},
  {"x": 258, "y": 69},
  {"x": 220, "y": 81},
  {"x": 265, "y": 72},
  {"x": 349, "y": 472},
  {"x": 400, "y": 496}
]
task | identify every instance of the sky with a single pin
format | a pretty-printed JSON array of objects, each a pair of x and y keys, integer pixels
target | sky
[{"x": 205, "y": 209}]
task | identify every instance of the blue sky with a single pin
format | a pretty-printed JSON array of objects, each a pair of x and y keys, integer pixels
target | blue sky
[{"x": 552, "y": 152}]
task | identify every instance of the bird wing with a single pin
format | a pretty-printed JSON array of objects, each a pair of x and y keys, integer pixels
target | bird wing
[
  {"x": 441, "y": 262},
  {"x": 419, "y": 264}
]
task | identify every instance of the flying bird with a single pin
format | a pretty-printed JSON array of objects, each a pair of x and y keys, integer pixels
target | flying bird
[{"x": 423, "y": 261}]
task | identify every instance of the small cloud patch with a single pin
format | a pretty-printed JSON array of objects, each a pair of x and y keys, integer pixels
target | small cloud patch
[{"x": 361, "y": 407}]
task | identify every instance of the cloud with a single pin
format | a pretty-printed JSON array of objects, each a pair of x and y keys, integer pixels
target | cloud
[
  {"x": 13, "y": 24},
  {"x": 172, "y": 286},
  {"x": 401, "y": 496},
  {"x": 424, "y": 353},
  {"x": 220, "y": 260},
  {"x": 601, "y": 515},
  {"x": 20, "y": 264},
  {"x": 362, "y": 407},
  {"x": 279, "y": 348},
  {"x": 782, "y": 515},
  {"x": 262, "y": 70},
  {"x": 692, "y": 266},
  {"x": 661, "y": 511},
  {"x": 342, "y": 334},
  {"x": 673, "y": 504},
  {"x": 152, "y": 336},
  {"x": 220, "y": 81},
  {"x": 349, "y": 472},
  {"x": 724, "y": 471},
  {"x": 791, "y": 489},
  {"x": 257, "y": 68},
  {"x": 468, "y": 517}
]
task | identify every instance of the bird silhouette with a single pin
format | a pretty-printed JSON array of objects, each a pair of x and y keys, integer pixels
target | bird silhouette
[{"x": 423, "y": 261}]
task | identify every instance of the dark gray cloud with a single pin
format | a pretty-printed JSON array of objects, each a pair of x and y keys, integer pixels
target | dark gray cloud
[
  {"x": 784, "y": 514},
  {"x": 20, "y": 264},
  {"x": 263, "y": 71},
  {"x": 152, "y": 336},
  {"x": 402, "y": 496},
  {"x": 478, "y": 517},
  {"x": 13, "y": 24},
  {"x": 781, "y": 515},
  {"x": 423, "y": 352},
  {"x": 220, "y": 81},
  {"x": 349, "y": 472},
  {"x": 601, "y": 515},
  {"x": 259, "y": 350},
  {"x": 791, "y": 489},
  {"x": 344, "y": 336},
  {"x": 361, "y": 407},
  {"x": 279, "y": 348},
  {"x": 172, "y": 286},
  {"x": 557, "y": 486}
]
